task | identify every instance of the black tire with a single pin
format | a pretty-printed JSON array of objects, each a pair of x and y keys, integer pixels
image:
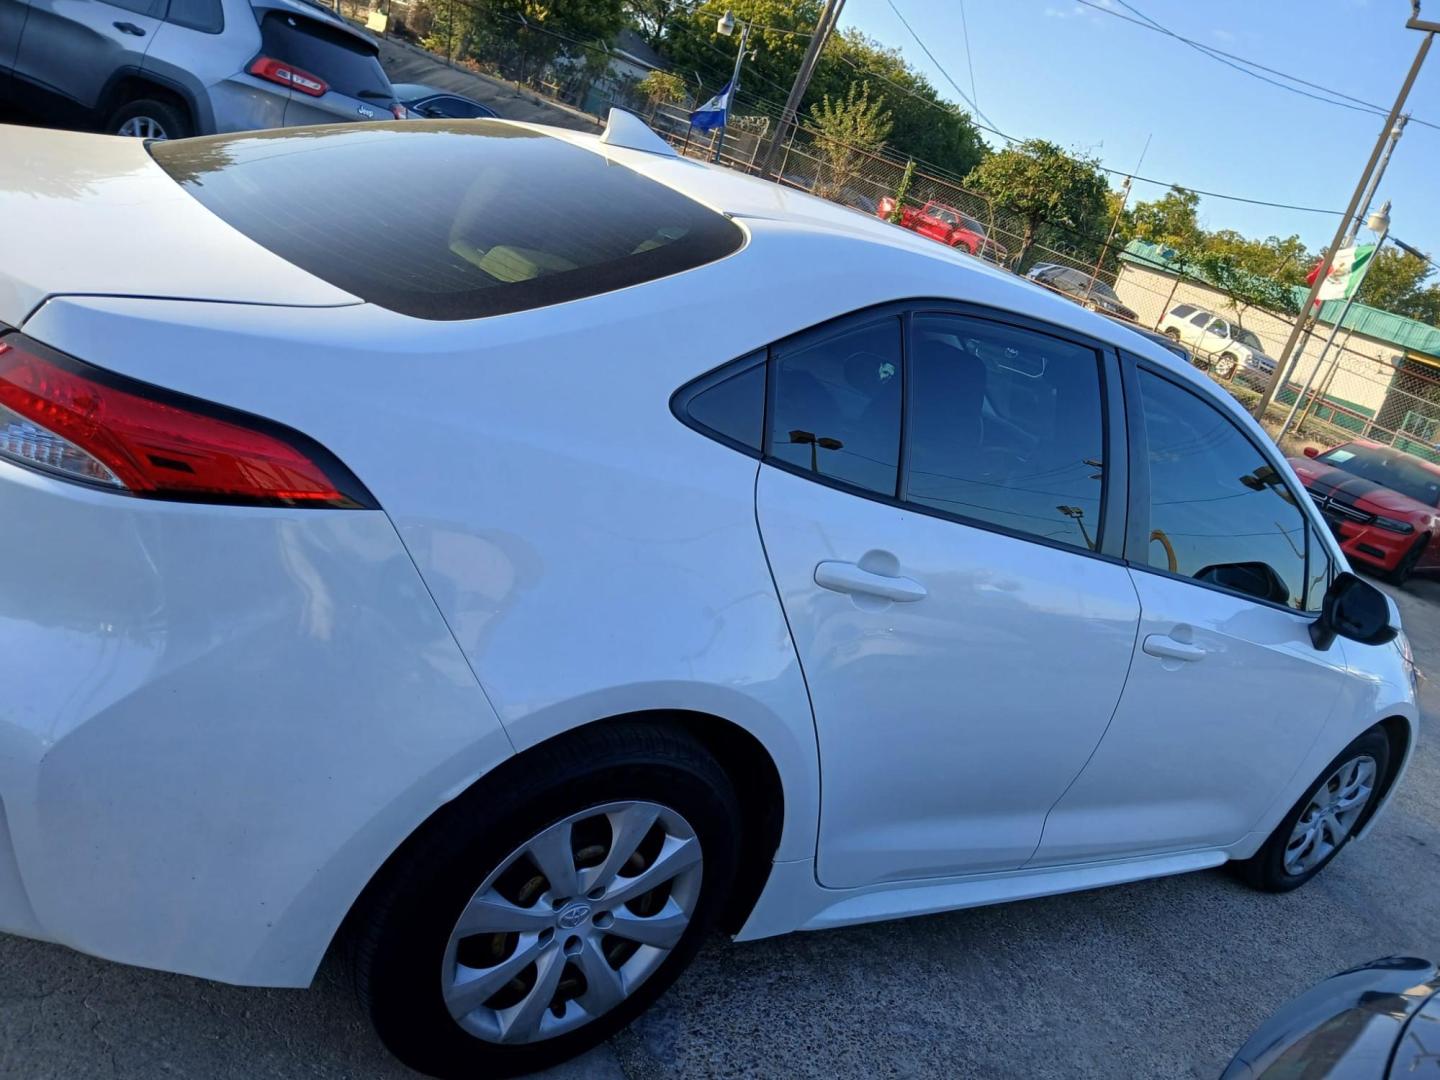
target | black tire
[
  {"x": 1265, "y": 870},
  {"x": 1226, "y": 365},
  {"x": 172, "y": 120},
  {"x": 1172, "y": 334},
  {"x": 400, "y": 932},
  {"x": 1406, "y": 566}
]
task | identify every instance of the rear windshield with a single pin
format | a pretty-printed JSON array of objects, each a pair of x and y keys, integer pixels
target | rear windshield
[
  {"x": 1388, "y": 469},
  {"x": 346, "y": 64},
  {"x": 444, "y": 219}
]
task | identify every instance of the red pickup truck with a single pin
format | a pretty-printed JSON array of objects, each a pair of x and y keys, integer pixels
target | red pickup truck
[{"x": 947, "y": 225}]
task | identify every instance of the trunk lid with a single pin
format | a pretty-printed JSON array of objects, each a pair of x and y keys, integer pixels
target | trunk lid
[{"x": 94, "y": 215}]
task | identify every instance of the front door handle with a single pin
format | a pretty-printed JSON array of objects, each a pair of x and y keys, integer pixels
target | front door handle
[
  {"x": 846, "y": 577},
  {"x": 129, "y": 28},
  {"x": 1166, "y": 647}
]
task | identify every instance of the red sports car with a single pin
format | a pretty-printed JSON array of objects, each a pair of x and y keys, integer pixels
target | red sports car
[{"x": 1381, "y": 503}]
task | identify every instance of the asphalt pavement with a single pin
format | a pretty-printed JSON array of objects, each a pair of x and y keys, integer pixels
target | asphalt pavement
[{"x": 1158, "y": 979}]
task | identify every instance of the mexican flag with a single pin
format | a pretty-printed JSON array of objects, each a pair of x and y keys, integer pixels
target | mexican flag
[{"x": 1346, "y": 273}]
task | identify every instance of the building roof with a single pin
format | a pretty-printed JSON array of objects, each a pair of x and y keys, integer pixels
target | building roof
[
  {"x": 1386, "y": 326},
  {"x": 632, "y": 46}
]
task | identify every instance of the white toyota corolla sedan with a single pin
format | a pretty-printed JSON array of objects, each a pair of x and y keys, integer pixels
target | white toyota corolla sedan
[{"x": 511, "y": 553}]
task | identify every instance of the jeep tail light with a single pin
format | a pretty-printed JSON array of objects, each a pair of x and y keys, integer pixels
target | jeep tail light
[
  {"x": 277, "y": 71},
  {"x": 61, "y": 416}
]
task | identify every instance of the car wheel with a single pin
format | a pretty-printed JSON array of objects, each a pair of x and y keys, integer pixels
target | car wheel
[
  {"x": 1324, "y": 819},
  {"x": 150, "y": 119},
  {"x": 537, "y": 915},
  {"x": 1408, "y": 562},
  {"x": 1172, "y": 334},
  {"x": 1225, "y": 366}
]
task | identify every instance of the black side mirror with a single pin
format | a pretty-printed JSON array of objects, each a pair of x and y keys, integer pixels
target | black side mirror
[
  {"x": 1354, "y": 609},
  {"x": 1251, "y": 578}
]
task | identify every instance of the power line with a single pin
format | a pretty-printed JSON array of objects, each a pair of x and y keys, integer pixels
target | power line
[
  {"x": 1145, "y": 22},
  {"x": 969, "y": 61},
  {"x": 926, "y": 49}
]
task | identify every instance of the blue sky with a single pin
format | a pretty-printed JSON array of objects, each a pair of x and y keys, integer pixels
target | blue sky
[{"x": 1091, "y": 82}]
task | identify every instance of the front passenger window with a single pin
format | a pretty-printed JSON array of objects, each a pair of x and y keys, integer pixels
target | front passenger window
[
  {"x": 836, "y": 406},
  {"x": 1219, "y": 511}
]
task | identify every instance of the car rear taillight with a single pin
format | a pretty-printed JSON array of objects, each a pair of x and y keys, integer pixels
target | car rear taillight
[
  {"x": 79, "y": 422},
  {"x": 277, "y": 71}
]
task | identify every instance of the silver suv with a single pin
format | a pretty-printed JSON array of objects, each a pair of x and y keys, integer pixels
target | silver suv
[{"x": 172, "y": 68}]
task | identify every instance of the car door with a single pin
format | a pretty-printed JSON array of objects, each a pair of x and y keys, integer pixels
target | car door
[
  {"x": 72, "y": 48},
  {"x": 962, "y": 621},
  {"x": 1192, "y": 330},
  {"x": 1227, "y": 693}
]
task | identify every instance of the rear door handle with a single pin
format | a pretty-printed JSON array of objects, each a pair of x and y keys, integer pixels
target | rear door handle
[
  {"x": 129, "y": 28},
  {"x": 848, "y": 578},
  {"x": 1165, "y": 646}
]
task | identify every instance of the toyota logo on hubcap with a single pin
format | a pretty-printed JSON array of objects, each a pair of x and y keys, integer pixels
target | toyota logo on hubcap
[{"x": 574, "y": 915}]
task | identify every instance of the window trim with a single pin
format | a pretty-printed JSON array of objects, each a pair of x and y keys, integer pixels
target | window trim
[
  {"x": 1137, "y": 532},
  {"x": 166, "y": 5}
]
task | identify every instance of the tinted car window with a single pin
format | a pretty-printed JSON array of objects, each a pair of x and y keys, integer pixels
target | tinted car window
[
  {"x": 730, "y": 403},
  {"x": 1201, "y": 318},
  {"x": 203, "y": 15},
  {"x": 1182, "y": 310},
  {"x": 1005, "y": 427},
  {"x": 455, "y": 108},
  {"x": 1219, "y": 512},
  {"x": 465, "y": 220},
  {"x": 141, "y": 7},
  {"x": 347, "y": 64},
  {"x": 1388, "y": 468},
  {"x": 836, "y": 406}
]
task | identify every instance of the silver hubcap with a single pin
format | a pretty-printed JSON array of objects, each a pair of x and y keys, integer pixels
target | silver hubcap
[
  {"x": 572, "y": 922},
  {"x": 1331, "y": 815},
  {"x": 142, "y": 127}
]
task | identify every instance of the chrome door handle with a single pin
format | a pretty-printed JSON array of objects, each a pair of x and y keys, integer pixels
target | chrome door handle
[
  {"x": 129, "y": 28},
  {"x": 848, "y": 578},
  {"x": 1165, "y": 646}
]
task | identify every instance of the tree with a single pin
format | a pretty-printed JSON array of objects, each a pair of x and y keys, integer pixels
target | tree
[
  {"x": 939, "y": 135},
  {"x": 1170, "y": 220},
  {"x": 778, "y": 40},
  {"x": 651, "y": 18},
  {"x": 1041, "y": 185},
  {"x": 1396, "y": 281},
  {"x": 662, "y": 87},
  {"x": 846, "y": 133},
  {"x": 902, "y": 190},
  {"x": 521, "y": 37}
]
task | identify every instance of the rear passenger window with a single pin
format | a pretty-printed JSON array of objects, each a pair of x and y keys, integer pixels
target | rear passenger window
[
  {"x": 1201, "y": 318},
  {"x": 1219, "y": 511},
  {"x": 202, "y": 15},
  {"x": 1181, "y": 310},
  {"x": 1005, "y": 428},
  {"x": 346, "y": 64},
  {"x": 836, "y": 406}
]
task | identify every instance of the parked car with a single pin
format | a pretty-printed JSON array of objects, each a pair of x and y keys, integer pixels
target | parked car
[
  {"x": 1163, "y": 340},
  {"x": 412, "y": 565},
  {"x": 432, "y": 102},
  {"x": 1224, "y": 344},
  {"x": 1380, "y": 1021},
  {"x": 1079, "y": 286},
  {"x": 947, "y": 225},
  {"x": 167, "y": 69},
  {"x": 1381, "y": 502}
]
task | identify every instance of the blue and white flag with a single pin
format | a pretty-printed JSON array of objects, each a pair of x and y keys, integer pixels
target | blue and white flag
[{"x": 715, "y": 112}]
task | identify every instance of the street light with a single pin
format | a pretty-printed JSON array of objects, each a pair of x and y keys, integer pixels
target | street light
[{"x": 725, "y": 25}]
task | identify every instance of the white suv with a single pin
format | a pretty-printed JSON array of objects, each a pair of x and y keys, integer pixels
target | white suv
[{"x": 1223, "y": 343}]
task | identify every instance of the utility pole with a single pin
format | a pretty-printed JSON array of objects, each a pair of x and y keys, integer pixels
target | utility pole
[
  {"x": 1395, "y": 133},
  {"x": 1282, "y": 368},
  {"x": 1119, "y": 213},
  {"x": 829, "y": 16}
]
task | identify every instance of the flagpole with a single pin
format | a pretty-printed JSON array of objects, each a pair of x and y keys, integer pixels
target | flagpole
[
  {"x": 734, "y": 85},
  {"x": 1335, "y": 327}
]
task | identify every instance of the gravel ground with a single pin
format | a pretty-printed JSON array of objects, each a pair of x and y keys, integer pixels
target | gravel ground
[{"x": 1159, "y": 979}]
